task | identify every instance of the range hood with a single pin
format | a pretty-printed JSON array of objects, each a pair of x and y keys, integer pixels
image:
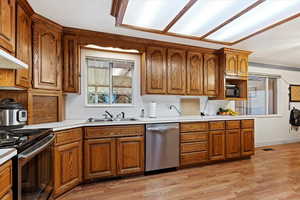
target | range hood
[{"x": 8, "y": 61}]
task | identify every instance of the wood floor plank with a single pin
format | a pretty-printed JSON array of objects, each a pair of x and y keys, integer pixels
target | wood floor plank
[{"x": 269, "y": 175}]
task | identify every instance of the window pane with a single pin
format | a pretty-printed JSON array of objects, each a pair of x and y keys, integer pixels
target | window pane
[
  {"x": 122, "y": 81},
  {"x": 272, "y": 94},
  {"x": 256, "y": 104},
  {"x": 98, "y": 81}
]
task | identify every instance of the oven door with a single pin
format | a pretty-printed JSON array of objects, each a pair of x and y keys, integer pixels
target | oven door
[{"x": 35, "y": 179}]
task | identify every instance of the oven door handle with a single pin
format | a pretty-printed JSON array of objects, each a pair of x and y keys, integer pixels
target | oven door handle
[{"x": 37, "y": 148}]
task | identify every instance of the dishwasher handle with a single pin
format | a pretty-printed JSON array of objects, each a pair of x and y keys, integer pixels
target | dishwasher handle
[{"x": 158, "y": 129}]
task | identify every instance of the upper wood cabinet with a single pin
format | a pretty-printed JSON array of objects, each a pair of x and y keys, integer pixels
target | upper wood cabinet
[
  {"x": 47, "y": 68},
  {"x": 156, "y": 70},
  {"x": 211, "y": 70},
  {"x": 23, "y": 44},
  {"x": 195, "y": 73},
  {"x": 231, "y": 64},
  {"x": 71, "y": 66},
  {"x": 242, "y": 69},
  {"x": 7, "y": 25},
  {"x": 176, "y": 71}
]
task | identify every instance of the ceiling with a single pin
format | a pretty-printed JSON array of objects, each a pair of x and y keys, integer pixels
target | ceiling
[{"x": 278, "y": 46}]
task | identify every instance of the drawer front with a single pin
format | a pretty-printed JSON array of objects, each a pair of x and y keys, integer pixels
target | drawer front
[
  {"x": 248, "y": 123},
  {"x": 114, "y": 131},
  {"x": 68, "y": 136},
  {"x": 195, "y": 146},
  {"x": 220, "y": 125},
  {"x": 194, "y": 137},
  {"x": 194, "y": 126},
  {"x": 5, "y": 178},
  {"x": 193, "y": 158},
  {"x": 234, "y": 124}
]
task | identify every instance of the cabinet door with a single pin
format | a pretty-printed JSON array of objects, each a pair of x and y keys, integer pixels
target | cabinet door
[
  {"x": 156, "y": 71},
  {"x": 176, "y": 71},
  {"x": 46, "y": 57},
  {"x": 7, "y": 25},
  {"x": 211, "y": 70},
  {"x": 247, "y": 142},
  {"x": 233, "y": 143},
  {"x": 231, "y": 64},
  {"x": 130, "y": 155},
  {"x": 242, "y": 69},
  {"x": 67, "y": 167},
  {"x": 217, "y": 145},
  {"x": 99, "y": 158},
  {"x": 71, "y": 67},
  {"x": 194, "y": 73},
  {"x": 23, "y": 50}
]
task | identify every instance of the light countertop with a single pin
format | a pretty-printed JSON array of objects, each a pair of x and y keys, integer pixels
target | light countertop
[
  {"x": 68, "y": 124},
  {"x": 6, "y": 154}
]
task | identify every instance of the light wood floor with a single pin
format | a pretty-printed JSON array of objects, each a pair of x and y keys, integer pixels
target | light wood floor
[{"x": 272, "y": 175}]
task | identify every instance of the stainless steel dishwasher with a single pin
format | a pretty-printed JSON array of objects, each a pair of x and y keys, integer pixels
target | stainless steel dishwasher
[{"x": 162, "y": 146}]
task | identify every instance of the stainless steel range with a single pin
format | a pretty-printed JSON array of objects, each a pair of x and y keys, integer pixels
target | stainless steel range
[{"x": 32, "y": 167}]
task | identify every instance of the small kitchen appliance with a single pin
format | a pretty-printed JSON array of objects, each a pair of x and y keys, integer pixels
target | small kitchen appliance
[{"x": 232, "y": 91}]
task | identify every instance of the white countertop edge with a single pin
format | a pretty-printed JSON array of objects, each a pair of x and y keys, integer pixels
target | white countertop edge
[
  {"x": 7, "y": 154},
  {"x": 69, "y": 124}
]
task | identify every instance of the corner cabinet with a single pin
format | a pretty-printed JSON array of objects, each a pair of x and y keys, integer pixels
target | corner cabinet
[
  {"x": 195, "y": 73},
  {"x": 211, "y": 71},
  {"x": 67, "y": 160},
  {"x": 23, "y": 44},
  {"x": 156, "y": 70},
  {"x": 176, "y": 71},
  {"x": 7, "y": 25},
  {"x": 47, "y": 67}
]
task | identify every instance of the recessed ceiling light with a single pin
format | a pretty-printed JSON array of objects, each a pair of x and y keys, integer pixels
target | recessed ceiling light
[
  {"x": 267, "y": 13},
  {"x": 206, "y": 15},
  {"x": 154, "y": 14}
]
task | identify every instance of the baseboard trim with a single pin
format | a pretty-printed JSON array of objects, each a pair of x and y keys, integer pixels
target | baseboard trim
[{"x": 275, "y": 142}]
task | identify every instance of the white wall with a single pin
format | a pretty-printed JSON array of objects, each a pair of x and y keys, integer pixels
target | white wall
[{"x": 269, "y": 130}]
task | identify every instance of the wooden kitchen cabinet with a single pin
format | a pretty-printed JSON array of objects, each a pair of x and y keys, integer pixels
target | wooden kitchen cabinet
[
  {"x": 23, "y": 44},
  {"x": 211, "y": 70},
  {"x": 156, "y": 70},
  {"x": 247, "y": 142},
  {"x": 242, "y": 68},
  {"x": 6, "y": 180},
  {"x": 176, "y": 71},
  {"x": 67, "y": 167},
  {"x": 231, "y": 64},
  {"x": 7, "y": 25},
  {"x": 233, "y": 143},
  {"x": 195, "y": 73},
  {"x": 71, "y": 66},
  {"x": 67, "y": 160},
  {"x": 217, "y": 145},
  {"x": 99, "y": 158},
  {"x": 47, "y": 67},
  {"x": 130, "y": 155},
  {"x": 7, "y": 196}
]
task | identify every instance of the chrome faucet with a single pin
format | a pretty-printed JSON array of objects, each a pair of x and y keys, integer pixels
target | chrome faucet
[
  {"x": 173, "y": 106},
  {"x": 108, "y": 114}
]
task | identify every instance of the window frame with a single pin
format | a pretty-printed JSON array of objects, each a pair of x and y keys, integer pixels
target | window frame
[
  {"x": 133, "y": 86},
  {"x": 267, "y": 77}
]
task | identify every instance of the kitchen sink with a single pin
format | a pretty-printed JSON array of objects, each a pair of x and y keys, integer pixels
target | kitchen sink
[{"x": 110, "y": 120}]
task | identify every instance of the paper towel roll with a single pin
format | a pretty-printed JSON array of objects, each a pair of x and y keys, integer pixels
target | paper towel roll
[{"x": 152, "y": 109}]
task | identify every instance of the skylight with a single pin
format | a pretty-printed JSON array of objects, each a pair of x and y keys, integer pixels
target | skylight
[{"x": 220, "y": 21}]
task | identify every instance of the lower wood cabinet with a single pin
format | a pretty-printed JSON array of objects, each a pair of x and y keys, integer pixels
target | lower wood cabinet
[
  {"x": 67, "y": 160},
  {"x": 217, "y": 145},
  {"x": 6, "y": 181},
  {"x": 233, "y": 143},
  {"x": 110, "y": 157},
  {"x": 99, "y": 158},
  {"x": 130, "y": 155},
  {"x": 68, "y": 165},
  {"x": 247, "y": 142}
]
